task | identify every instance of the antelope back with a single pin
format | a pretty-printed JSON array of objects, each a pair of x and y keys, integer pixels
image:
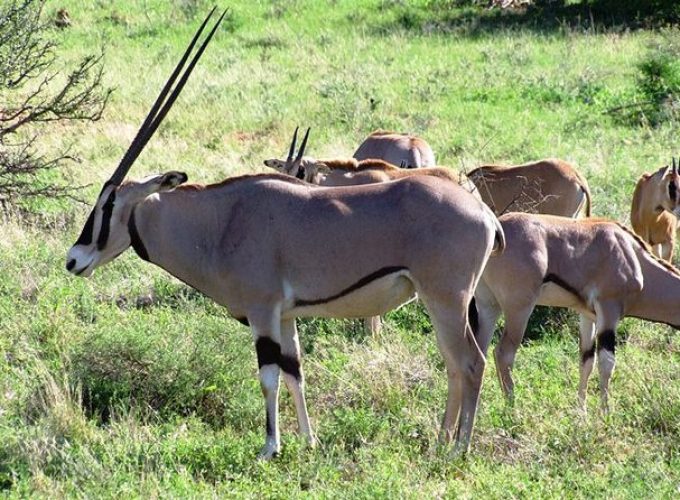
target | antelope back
[{"x": 397, "y": 149}]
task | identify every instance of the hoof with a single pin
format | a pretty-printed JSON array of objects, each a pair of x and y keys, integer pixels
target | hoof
[{"x": 269, "y": 451}]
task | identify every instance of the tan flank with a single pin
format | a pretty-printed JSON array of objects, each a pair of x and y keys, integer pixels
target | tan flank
[
  {"x": 548, "y": 186},
  {"x": 271, "y": 248},
  {"x": 655, "y": 209},
  {"x": 594, "y": 266},
  {"x": 350, "y": 172}
]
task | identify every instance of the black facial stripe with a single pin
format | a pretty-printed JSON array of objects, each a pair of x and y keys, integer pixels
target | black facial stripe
[
  {"x": 606, "y": 340},
  {"x": 359, "y": 284},
  {"x": 268, "y": 352},
  {"x": 107, "y": 213},
  {"x": 672, "y": 191},
  {"x": 85, "y": 237},
  {"x": 135, "y": 240},
  {"x": 87, "y": 233},
  {"x": 586, "y": 355},
  {"x": 301, "y": 173}
]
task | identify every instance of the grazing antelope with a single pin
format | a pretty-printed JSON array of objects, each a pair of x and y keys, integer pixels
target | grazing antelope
[
  {"x": 271, "y": 248},
  {"x": 655, "y": 209},
  {"x": 597, "y": 267},
  {"x": 548, "y": 186},
  {"x": 396, "y": 148}
]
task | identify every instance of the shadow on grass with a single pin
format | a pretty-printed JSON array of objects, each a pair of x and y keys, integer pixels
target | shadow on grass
[{"x": 542, "y": 17}]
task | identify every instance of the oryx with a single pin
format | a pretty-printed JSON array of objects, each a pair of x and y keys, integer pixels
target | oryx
[
  {"x": 271, "y": 248},
  {"x": 597, "y": 267},
  {"x": 396, "y": 148},
  {"x": 655, "y": 209}
]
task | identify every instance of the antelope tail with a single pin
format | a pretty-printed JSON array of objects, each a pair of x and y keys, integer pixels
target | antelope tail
[
  {"x": 586, "y": 191},
  {"x": 499, "y": 238},
  {"x": 499, "y": 241}
]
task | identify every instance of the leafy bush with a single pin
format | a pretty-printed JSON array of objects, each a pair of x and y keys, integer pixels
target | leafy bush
[
  {"x": 659, "y": 82},
  {"x": 135, "y": 370},
  {"x": 657, "y": 91}
]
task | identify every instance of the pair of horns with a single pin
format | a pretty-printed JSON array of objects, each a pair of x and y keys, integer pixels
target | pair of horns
[
  {"x": 161, "y": 107},
  {"x": 301, "y": 151}
]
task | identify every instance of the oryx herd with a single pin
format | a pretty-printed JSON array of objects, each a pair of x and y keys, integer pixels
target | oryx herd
[{"x": 355, "y": 238}]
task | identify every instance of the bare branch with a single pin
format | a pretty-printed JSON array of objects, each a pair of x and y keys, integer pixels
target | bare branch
[{"x": 32, "y": 95}]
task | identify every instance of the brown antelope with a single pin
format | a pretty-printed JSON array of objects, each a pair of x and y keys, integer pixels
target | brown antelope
[
  {"x": 594, "y": 266},
  {"x": 655, "y": 209},
  {"x": 548, "y": 186},
  {"x": 270, "y": 248},
  {"x": 396, "y": 148}
]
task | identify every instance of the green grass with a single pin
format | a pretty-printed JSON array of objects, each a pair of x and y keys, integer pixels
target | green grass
[{"x": 131, "y": 384}]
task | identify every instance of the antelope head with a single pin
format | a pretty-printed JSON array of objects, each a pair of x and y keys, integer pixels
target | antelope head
[
  {"x": 109, "y": 229},
  {"x": 670, "y": 186},
  {"x": 292, "y": 167}
]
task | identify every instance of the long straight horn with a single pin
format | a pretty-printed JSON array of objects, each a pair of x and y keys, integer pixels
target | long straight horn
[
  {"x": 675, "y": 167},
  {"x": 301, "y": 151},
  {"x": 161, "y": 107},
  {"x": 289, "y": 160}
]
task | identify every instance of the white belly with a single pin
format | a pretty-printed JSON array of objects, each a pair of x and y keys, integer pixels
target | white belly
[
  {"x": 377, "y": 297},
  {"x": 556, "y": 296}
]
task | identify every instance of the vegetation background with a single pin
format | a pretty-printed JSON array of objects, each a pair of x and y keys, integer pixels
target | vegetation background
[{"x": 132, "y": 384}]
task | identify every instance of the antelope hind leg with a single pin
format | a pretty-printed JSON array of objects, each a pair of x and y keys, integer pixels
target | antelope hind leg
[
  {"x": 293, "y": 376},
  {"x": 515, "y": 325}
]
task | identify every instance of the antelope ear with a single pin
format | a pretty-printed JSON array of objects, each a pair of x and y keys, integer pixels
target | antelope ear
[{"x": 171, "y": 180}]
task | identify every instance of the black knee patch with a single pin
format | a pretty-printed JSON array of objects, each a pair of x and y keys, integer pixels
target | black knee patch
[
  {"x": 290, "y": 365},
  {"x": 586, "y": 355},
  {"x": 268, "y": 351},
  {"x": 473, "y": 317},
  {"x": 606, "y": 340}
]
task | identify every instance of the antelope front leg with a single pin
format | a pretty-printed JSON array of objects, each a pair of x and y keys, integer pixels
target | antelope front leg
[
  {"x": 608, "y": 316},
  {"x": 372, "y": 326},
  {"x": 666, "y": 251},
  {"x": 268, "y": 357},
  {"x": 294, "y": 377},
  {"x": 587, "y": 351}
]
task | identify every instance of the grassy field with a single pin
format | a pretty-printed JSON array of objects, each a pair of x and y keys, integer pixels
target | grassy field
[{"x": 132, "y": 384}]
